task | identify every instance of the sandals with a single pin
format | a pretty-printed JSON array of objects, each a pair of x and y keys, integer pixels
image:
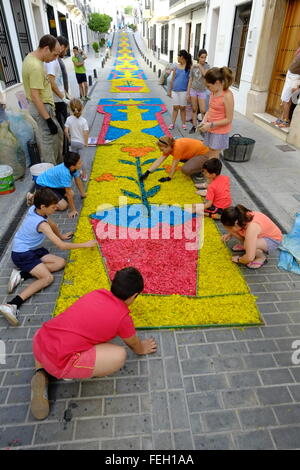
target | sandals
[
  {"x": 256, "y": 264},
  {"x": 284, "y": 124}
]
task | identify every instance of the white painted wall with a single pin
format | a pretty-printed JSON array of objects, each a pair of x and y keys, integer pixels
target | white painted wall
[{"x": 219, "y": 42}]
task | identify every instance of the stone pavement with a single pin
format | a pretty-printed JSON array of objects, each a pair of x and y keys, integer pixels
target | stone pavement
[{"x": 222, "y": 388}]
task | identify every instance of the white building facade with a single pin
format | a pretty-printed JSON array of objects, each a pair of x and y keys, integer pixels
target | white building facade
[{"x": 24, "y": 22}]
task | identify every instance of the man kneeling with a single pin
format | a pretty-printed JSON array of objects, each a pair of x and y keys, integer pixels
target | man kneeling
[{"x": 75, "y": 345}]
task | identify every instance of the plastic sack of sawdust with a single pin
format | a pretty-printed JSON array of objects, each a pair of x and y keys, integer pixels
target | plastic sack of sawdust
[
  {"x": 22, "y": 130},
  {"x": 289, "y": 258},
  {"x": 11, "y": 152}
]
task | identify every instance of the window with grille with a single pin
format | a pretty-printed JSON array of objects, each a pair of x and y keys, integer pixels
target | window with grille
[
  {"x": 197, "y": 41},
  {"x": 21, "y": 26},
  {"x": 164, "y": 39},
  {"x": 8, "y": 70},
  {"x": 179, "y": 39},
  {"x": 239, "y": 40}
]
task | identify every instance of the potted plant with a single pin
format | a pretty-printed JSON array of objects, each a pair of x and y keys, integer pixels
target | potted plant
[
  {"x": 95, "y": 46},
  {"x": 102, "y": 42}
]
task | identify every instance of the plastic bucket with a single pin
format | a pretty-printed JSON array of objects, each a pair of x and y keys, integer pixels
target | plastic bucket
[
  {"x": 38, "y": 169},
  {"x": 240, "y": 149},
  {"x": 6, "y": 180}
]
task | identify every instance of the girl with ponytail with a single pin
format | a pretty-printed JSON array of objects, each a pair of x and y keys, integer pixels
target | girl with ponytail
[
  {"x": 179, "y": 85},
  {"x": 77, "y": 132},
  {"x": 257, "y": 235},
  {"x": 217, "y": 121}
]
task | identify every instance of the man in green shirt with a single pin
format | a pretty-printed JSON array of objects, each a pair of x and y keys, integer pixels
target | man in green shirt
[
  {"x": 39, "y": 94},
  {"x": 80, "y": 72}
]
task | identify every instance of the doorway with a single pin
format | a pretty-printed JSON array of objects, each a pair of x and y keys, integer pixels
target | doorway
[
  {"x": 188, "y": 29},
  {"x": 63, "y": 28},
  {"x": 288, "y": 44}
]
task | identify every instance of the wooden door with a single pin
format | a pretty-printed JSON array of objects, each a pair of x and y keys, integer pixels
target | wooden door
[{"x": 288, "y": 44}]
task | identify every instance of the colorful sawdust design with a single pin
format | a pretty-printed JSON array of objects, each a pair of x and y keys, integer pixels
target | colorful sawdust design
[
  {"x": 199, "y": 288},
  {"x": 127, "y": 77}
]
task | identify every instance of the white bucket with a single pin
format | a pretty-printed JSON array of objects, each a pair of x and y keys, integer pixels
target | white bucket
[
  {"x": 38, "y": 169},
  {"x": 6, "y": 180}
]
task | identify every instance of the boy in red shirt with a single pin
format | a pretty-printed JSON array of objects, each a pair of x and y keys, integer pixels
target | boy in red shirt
[
  {"x": 75, "y": 344},
  {"x": 217, "y": 196}
]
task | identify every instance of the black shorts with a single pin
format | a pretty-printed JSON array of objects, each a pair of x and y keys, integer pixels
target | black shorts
[
  {"x": 59, "y": 192},
  {"x": 81, "y": 78},
  {"x": 28, "y": 260}
]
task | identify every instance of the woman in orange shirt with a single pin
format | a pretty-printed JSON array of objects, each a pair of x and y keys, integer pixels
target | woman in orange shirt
[
  {"x": 257, "y": 234},
  {"x": 190, "y": 151},
  {"x": 217, "y": 121}
]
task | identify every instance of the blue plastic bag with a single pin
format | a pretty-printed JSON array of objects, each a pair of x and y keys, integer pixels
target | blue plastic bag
[
  {"x": 289, "y": 258},
  {"x": 22, "y": 130}
]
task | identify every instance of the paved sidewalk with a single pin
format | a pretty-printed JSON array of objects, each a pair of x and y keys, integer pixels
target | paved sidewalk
[{"x": 222, "y": 388}]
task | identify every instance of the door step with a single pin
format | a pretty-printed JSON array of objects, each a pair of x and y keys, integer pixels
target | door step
[{"x": 264, "y": 120}]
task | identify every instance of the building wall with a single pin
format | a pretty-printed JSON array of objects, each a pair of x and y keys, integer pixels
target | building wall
[{"x": 220, "y": 24}]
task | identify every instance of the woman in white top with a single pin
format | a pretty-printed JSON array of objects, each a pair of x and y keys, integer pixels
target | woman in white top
[{"x": 77, "y": 131}]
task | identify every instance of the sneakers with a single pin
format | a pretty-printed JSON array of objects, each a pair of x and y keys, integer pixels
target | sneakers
[
  {"x": 14, "y": 280},
  {"x": 9, "y": 311},
  {"x": 39, "y": 395},
  {"x": 184, "y": 127},
  {"x": 87, "y": 98},
  {"x": 171, "y": 126},
  {"x": 193, "y": 130},
  {"x": 29, "y": 199}
]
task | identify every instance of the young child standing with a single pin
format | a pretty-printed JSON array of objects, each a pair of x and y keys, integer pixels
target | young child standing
[
  {"x": 178, "y": 85},
  {"x": 77, "y": 131},
  {"x": 196, "y": 91},
  {"x": 76, "y": 344},
  {"x": 217, "y": 196},
  {"x": 257, "y": 235},
  {"x": 33, "y": 260},
  {"x": 59, "y": 180},
  {"x": 217, "y": 121}
]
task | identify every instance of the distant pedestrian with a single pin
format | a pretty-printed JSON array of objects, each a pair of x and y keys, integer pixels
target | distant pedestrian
[
  {"x": 77, "y": 132},
  {"x": 257, "y": 235},
  {"x": 178, "y": 87},
  {"x": 33, "y": 260},
  {"x": 217, "y": 122},
  {"x": 80, "y": 71},
  {"x": 39, "y": 94},
  {"x": 77, "y": 343},
  {"x": 197, "y": 89}
]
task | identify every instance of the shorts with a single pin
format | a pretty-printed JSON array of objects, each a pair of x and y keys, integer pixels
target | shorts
[
  {"x": 81, "y": 78},
  {"x": 292, "y": 80},
  {"x": 79, "y": 366},
  {"x": 27, "y": 260},
  {"x": 213, "y": 210},
  {"x": 59, "y": 192},
  {"x": 216, "y": 141},
  {"x": 200, "y": 94},
  {"x": 179, "y": 98},
  {"x": 271, "y": 243}
]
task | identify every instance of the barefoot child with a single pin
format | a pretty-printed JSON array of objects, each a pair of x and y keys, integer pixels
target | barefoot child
[
  {"x": 59, "y": 180},
  {"x": 77, "y": 132},
  {"x": 217, "y": 121},
  {"x": 191, "y": 151},
  {"x": 256, "y": 232},
  {"x": 76, "y": 343},
  {"x": 217, "y": 196},
  {"x": 31, "y": 259}
]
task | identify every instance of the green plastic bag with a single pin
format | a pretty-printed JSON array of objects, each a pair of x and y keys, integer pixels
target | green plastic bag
[{"x": 11, "y": 152}]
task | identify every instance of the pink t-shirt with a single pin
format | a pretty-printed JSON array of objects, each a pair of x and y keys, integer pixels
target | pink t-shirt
[
  {"x": 268, "y": 228},
  {"x": 218, "y": 191},
  {"x": 95, "y": 318}
]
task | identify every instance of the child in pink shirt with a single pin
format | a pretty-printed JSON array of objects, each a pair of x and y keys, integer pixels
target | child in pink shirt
[
  {"x": 75, "y": 344},
  {"x": 217, "y": 196},
  {"x": 257, "y": 233}
]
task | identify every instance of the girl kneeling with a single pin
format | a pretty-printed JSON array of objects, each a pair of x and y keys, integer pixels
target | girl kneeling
[{"x": 257, "y": 234}]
